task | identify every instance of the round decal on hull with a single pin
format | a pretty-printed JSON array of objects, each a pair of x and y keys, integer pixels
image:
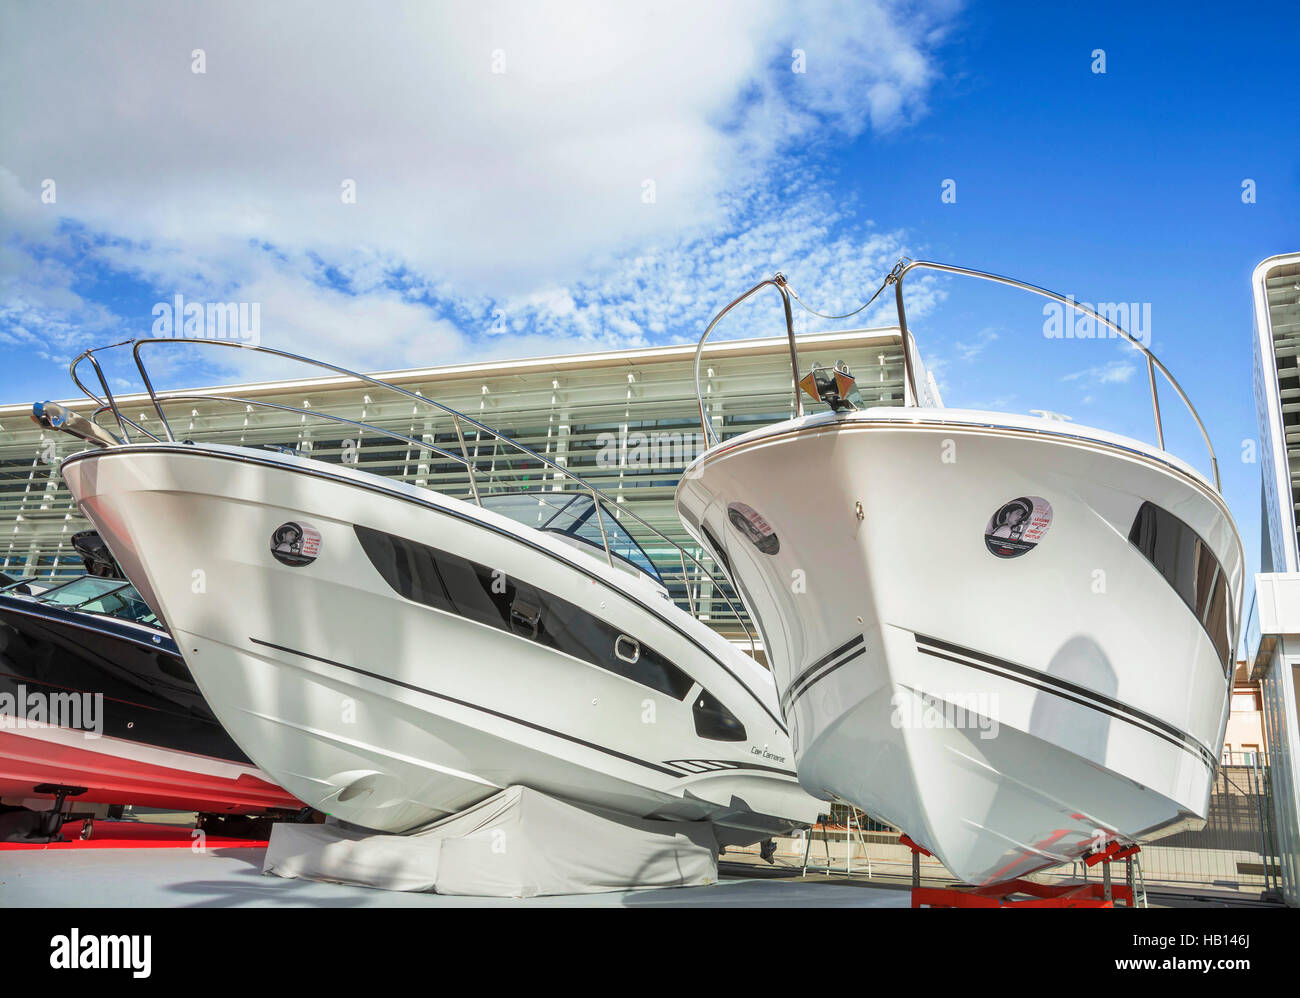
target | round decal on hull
[
  {"x": 1017, "y": 526},
  {"x": 295, "y": 544},
  {"x": 756, "y": 529}
]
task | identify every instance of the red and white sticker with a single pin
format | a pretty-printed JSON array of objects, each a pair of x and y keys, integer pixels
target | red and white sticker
[
  {"x": 295, "y": 543},
  {"x": 1017, "y": 526}
]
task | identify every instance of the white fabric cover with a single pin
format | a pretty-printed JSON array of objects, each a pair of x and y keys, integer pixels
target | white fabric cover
[{"x": 517, "y": 843}]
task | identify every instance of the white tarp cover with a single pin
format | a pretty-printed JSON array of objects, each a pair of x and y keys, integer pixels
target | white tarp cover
[{"x": 517, "y": 843}]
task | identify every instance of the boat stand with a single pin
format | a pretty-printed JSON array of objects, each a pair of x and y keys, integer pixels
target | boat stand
[
  {"x": 852, "y": 827},
  {"x": 1027, "y": 894},
  {"x": 53, "y": 820}
]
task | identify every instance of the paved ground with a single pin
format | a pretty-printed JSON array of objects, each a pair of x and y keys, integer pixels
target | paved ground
[{"x": 221, "y": 878}]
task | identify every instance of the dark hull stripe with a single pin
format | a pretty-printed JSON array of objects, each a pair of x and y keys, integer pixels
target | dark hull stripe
[
  {"x": 720, "y": 766},
  {"x": 823, "y": 674},
  {"x": 1067, "y": 691},
  {"x": 806, "y": 678},
  {"x": 426, "y": 504},
  {"x": 472, "y": 706},
  {"x": 827, "y": 657}
]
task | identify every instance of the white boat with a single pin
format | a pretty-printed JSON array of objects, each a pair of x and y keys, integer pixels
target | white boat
[
  {"x": 1010, "y": 637},
  {"x": 392, "y": 654}
]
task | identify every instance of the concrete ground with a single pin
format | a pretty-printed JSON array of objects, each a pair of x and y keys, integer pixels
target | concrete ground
[{"x": 232, "y": 877}]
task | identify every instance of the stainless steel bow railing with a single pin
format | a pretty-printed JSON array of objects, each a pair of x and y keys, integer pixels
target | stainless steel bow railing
[
  {"x": 910, "y": 397},
  {"x": 461, "y": 422},
  {"x": 777, "y": 281},
  {"x": 1153, "y": 362}
]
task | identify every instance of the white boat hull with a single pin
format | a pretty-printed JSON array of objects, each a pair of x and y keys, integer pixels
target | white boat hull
[
  {"x": 1007, "y": 713},
  {"x": 389, "y": 713}
]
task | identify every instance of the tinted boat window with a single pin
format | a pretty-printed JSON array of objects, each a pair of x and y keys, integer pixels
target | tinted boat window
[
  {"x": 1216, "y": 622},
  {"x": 468, "y": 589},
  {"x": 1187, "y": 563},
  {"x": 81, "y": 590},
  {"x": 575, "y": 517},
  {"x": 124, "y": 603},
  {"x": 713, "y": 720}
]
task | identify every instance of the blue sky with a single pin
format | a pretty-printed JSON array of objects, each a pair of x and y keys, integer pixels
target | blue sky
[
  {"x": 504, "y": 213},
  {"x": 1121, "y": 187}
]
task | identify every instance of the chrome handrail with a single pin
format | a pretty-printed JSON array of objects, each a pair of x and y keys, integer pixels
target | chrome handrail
[
  {"x": 314, "y": 413},
  {"x": 777, "y": 281},
  {"x": 1153, "y": 362},
  {"x": 110, "y": 403},
  {"x": 910, "y": 395}
]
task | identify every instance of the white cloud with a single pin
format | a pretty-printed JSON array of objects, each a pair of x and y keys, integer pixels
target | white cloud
[
  {"x": 484, "y": 177},
  {"x": 518, "y": 193},
  {"x": 968, "y": 351},
  {"x": 1115, "y": 372}
]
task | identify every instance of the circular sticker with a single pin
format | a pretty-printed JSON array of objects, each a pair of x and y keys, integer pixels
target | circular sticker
[
  {"x": 295, "y": 544},
  {"x": 1017, "y": 526},
  {"x": 757, "y": 530}
]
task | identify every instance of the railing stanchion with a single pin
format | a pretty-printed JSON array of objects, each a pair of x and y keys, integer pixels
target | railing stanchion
[
  {"x": 686, "y": 581},
  {"x": 779, "y": 282},
  {"x": 469, "y": 467},
  {"x": 909, "y": 377},
  {"x": 711, "y": 438},
  {"x": 1155, "y": 404},
  {"x": 157, "y": 406},
  {"x": 108, "y": 394},
  {"x": 600, "y": 519}
]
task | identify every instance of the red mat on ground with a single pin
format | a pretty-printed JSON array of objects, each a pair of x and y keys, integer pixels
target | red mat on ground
[{"x": 135, "y": 835}]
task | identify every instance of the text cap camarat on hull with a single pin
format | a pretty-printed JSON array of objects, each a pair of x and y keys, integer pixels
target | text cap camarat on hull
[
  {"x": 963, "y": 681},
  {"x": 392, "y": 654}
]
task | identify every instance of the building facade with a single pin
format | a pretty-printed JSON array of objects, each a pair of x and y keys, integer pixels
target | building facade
[
  {"x": 1273, "y": 623},
  {"x": 627, "y": 421}
]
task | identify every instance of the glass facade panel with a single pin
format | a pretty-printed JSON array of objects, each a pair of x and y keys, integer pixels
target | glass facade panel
[{"x": 627, "y": 421}]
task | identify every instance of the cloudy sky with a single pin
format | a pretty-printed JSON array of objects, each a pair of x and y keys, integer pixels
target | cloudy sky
[
  {"x": 528, "y": 177},
  {"x": 400, "y": 184}
]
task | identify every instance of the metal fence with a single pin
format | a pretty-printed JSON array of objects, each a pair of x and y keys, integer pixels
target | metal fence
[{"x": 1236, "y": 850}]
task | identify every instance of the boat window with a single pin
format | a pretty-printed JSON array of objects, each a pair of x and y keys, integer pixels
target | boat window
[
  {"x": 575, "y": 517},
  {"x": 468, "y": 589},
  {"x": 713, "y": 720},
  {"x": 124, "y": 603},
  {"x": 96, "y": 594},
  {"x": 79, "y": 591},
  {"x": 1190, "y": 567},
  {"x": 532, "y": 509}
]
